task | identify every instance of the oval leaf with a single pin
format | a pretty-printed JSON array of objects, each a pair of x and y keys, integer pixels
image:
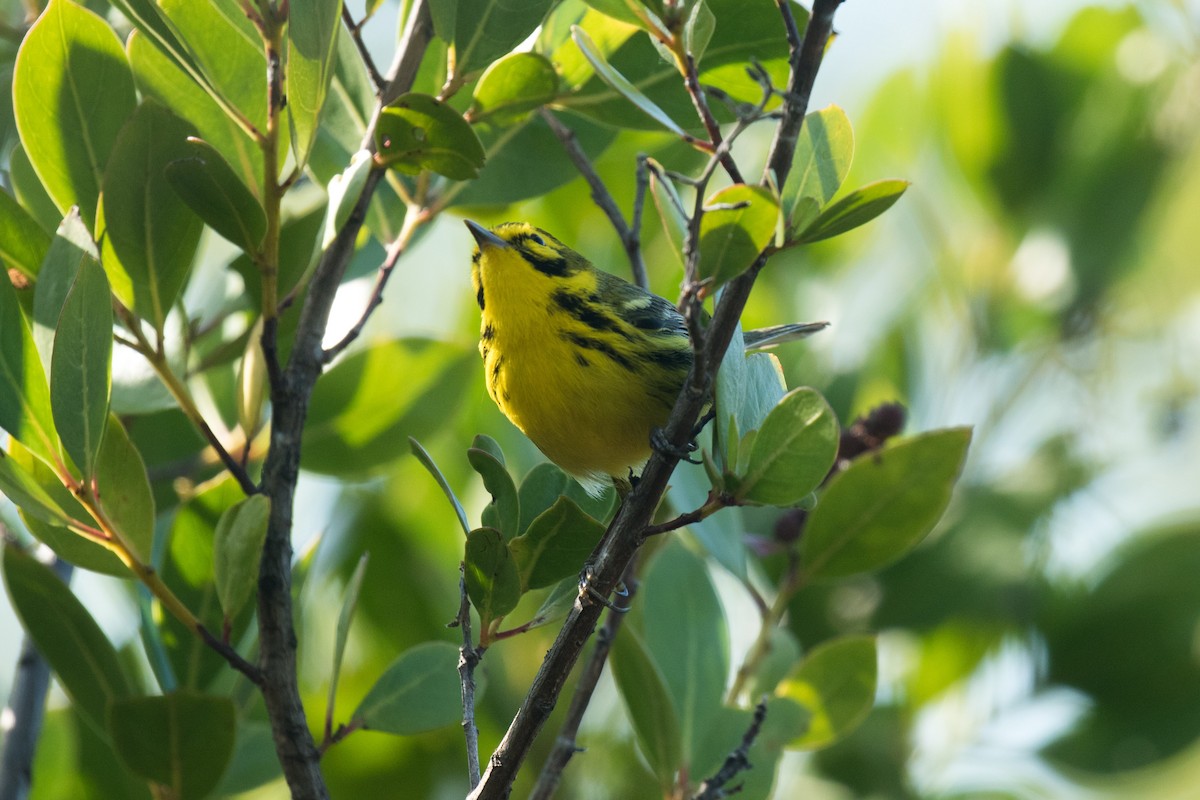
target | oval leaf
[
  {"x": 237, "y": 549},
  {"x": 836, "y": 685},
  {"x": 124, "y": 489},
  {"x": 417, "y": 132},
  {"x": 149, "y": 234},
  {"x": 418, "y": 692},
  {"x": 210, "y": 188},
  {"x": 513, "y": 86},
  {"x": 312, "y": 38},
  {"x": 81, "y": 367},
  {"x": 739, "y": 225},
  {"x": 491, "y": 575},
  {"x": 72, "y": 92},
  {"x": 824, "y": 151},
  {"x": 556, "y": 545},
  {"x": 649, "y": 706},
  {"x": 23, "y": 243},
  {"x": 66, "y": 635},
  {"x": 883, "y": 504},
  {"x": 24, "y": 393},
  {"x": 792, "y": 453},
  {"x": 855, "y": 209},
  {"x": 487, "y": 29},
  {"x": 182, "y": 740},
  {"x": 503, "y": 513}
]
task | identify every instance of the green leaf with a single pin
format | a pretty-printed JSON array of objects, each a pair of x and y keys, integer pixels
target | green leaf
[
  {"x": 836, "y": 684},
  {"x": 124, "y": 489},
  {"x": 512, "y": 87},
  {"x": 734, "y": 232},
  {"x": 345, "y": 617},
  {"x": 71, "y": 247},
  {"x": 686, "y": 635},
  {"x": 312, "y": 38},
  {"x": 648, "y": 703},
  {"x": 210, "y": 188},
  {"x": 883, "y": 504},
  {"x": 72, "y": 92},
  {"x": 149, "y": 234},
  {"x": 529, "y": 161},
  {"x": 491, "y": 575},
  {"x": 182, "y": 740},
  {"x": 427, "y": 461},
  {"x": 24, "y": 394},
  {"x": 68, "y": 638},
  {"x": 23, "y": 243},
  {"x": 487, "y": 29},
  {"x": 81, "y": 371},
  {"x": 698, "y": 30},
  {"x": 792, "y": 451},
  {"x": 857, "y": 208},
  {"x": 364, "y": 408},
  {"x": 30, "y": 192},
  {"x": 824, "y": 151},
  {"x": 160, "y": 78},
  {"x": 620, "y": 83},
  {"x": 223, "y": 44},
  {"x": 556, "y": 544},
  {"x": 416, "y": 132},
  {"x": 237, "y": 550},
  {"x": 545, "y": 483},
  {"x": 419, "y": 692},
  {"x": 504, "y": 512},
  {"x": 632, "y": 12},
  {"x": 18, "y": 485},
  {"x": 344, "y": 190}
]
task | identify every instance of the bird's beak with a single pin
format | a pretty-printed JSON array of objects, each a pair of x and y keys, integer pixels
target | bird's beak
[{"x": 483, "y": 237}]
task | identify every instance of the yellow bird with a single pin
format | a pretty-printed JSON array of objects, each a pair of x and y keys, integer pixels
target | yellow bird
[{"x": 586, "y": 364}]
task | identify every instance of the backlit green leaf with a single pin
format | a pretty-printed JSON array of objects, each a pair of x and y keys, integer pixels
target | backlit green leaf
[
  {"x": 487, "y": 29},
  {"x": 71, "y": 247},
  {"x": 835, "y": 683},
  {"x": 857, "y": 208},
  {"x": 81, "y": 371},
  {"x": 72, "y": 92},
  {"x": 418, "y": 132},
  {"x": 740, "y": 222},
  {"x": 23, "y": 244},
  {"x": 68, "y": 638},
  {"x": 792, "y": 452},
  {"x": 24, "y": 393},
  {"x": 883, "y": 504},
  {"x": 237, "y": 549},
  {"x": 312, "y": 36},
  {"x": 427, "y": 461},
  {"x": 182, "y": 740},
  {"x": 149, "y": 234},
  {"x": 613, "y": 77},
  {"x": 513, "y": 86},
  {"x": 211, "y": 189},
  {"x": 648, "y": 703},
  {"x": 504, "y": 512},
  {"x": 824, "y": 151},
  {"x": 419, "y": 692},
  {"x": 124, "y": 489},
  {"x": 345, "y": 617}
]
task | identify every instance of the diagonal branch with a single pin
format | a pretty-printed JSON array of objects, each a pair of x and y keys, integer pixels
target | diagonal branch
[{"x": 627, "y": 530}]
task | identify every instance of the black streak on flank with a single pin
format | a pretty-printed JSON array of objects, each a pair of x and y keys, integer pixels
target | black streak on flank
[
  {"x": 588, "y": 343},
  {"x": 581, "y": 360},
  {"x": 554, "y": 267},
  {"x": 479, "y": 296},
  {"x": 588, "y": 314},
  {"x": 489, "y": 332},
  {"x": 497, "y": 367}
]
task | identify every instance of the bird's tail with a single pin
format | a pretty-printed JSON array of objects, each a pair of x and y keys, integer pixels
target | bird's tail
[{"x": 778, "y": 334}]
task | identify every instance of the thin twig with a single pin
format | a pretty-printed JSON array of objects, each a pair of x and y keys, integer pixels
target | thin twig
[
  {"x": 635, "y": 223},
  {"x": 735, "y": 762},
  {"x": 363, "y": 53},
  {"x": 692, "y": 82},
  {"x": 468, "y": 658},
  {"x": 566, "y": 745},
  {"x": 621, "y": 542},
  {"x": 630, "y": 239},
  {"x": 226, "y": 651}
]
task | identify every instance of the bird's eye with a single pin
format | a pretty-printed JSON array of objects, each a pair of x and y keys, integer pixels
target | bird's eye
[{"x": 535, "y": 238}]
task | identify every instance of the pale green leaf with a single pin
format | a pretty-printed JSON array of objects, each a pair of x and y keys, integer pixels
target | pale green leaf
[
  {"x": 237, "y": 550},
  {"x": 739, "y": 223},
  {"x": 857, "y": 208},
  {"x": 419, "y": 692},
  {"x": 649, "y": 705},
  {"x": 835, "y": 683},
  {"x": 792, "y": 451},
  {"x": 312, "y": 37}
]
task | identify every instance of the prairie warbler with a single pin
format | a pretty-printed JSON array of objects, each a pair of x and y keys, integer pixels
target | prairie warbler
[{"x": 587, "y": 365}]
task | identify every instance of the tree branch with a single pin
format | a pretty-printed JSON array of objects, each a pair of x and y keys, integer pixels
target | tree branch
[
  {"x": 737, "y": 761},
  {"x": 468, "y": 658},
  {"x": 291, "y": 392},
  {"x": 619, "y": 545},
  {"x": 630, "y": 235}
]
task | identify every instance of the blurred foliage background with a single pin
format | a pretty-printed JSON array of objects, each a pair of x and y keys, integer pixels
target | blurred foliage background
[{"x": 1039, "y": 282}]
